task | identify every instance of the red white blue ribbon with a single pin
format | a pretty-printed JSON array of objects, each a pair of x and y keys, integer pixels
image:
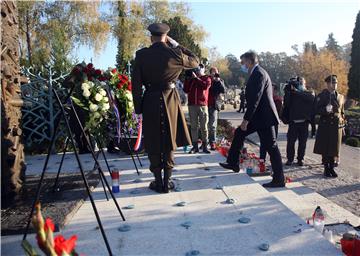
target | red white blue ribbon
[{"x": 138, "y": 140}]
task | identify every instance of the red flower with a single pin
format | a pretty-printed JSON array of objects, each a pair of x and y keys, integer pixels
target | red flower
[
  {"x": 119, "y": 85},
  {"x": 120, "y": 76},
  {"x": 125, "y": 78},
  {"x": 49, "y": 225},
  {"x": 62, "y": 245},
  {"x": 129, "y": 87},
  {"x": 102, "y": 78},
  {"x": 89, "y": 77},
  {"x": 90, "y": 66},
  {"x": 98, "y": 72},
  {"x": 76, "y": 70},
  {"x": 113, "y": 71}
]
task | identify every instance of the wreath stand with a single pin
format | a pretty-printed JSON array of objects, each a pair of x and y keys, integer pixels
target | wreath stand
[{"x": 72, "y": 141}]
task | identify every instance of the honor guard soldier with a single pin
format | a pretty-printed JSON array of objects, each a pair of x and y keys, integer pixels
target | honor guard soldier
[
  {"x": 157, "y": 68},
  {"x": 330, "y": 107}
]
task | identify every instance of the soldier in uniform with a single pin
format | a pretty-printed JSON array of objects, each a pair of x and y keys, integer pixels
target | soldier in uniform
[
  {"x": 164, "y": 126},
  {"x": 330, "y": 107}
]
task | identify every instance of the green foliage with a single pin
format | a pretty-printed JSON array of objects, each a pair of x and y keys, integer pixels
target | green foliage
[
  {"x": 333, "y": 46},
  {"x": 182, "y": 34},
  {"x": 353, "y": 142},
  {"x": 354, "y": 73}
]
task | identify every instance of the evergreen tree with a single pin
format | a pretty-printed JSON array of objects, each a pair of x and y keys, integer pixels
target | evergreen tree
[
  {"x": 120, "y": 59},
  {"x": 182, "y": 34},
  {"x": 354, "y": 73},
  {"x": 333, "y": 46}
]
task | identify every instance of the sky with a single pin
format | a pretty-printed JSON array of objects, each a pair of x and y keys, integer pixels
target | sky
[{"x": 237, "y": 26}]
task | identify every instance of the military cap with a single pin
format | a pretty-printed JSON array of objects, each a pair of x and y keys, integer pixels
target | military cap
[
  {"x": 158, "y": 29},
  {"x": 331, "y": 78}
]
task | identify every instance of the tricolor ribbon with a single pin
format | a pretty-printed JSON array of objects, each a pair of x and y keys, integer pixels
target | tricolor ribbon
[{"x": 138, "y": 140}]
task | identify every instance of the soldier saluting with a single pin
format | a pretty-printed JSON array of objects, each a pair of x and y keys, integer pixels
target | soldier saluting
[
  {"x": 330, "y": 107},
  {"x": 164, "y": 126}
]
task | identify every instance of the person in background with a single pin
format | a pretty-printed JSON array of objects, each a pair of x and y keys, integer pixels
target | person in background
[
  {"x": 298, "y": 103},
  {"x": 214, "y": 104},
  {"x": 242, "y": 102},
  {"x": 330, "y": 107},
  {"x": 197, "y": 88}
]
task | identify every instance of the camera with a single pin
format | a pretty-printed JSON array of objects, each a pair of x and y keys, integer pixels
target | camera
[
  {"x": 293, "y": 82},
  {"x": 217, "y": 75},
  {"x": 189, "y": 72}
]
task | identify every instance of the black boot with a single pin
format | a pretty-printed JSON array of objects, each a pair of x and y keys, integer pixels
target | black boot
[
  {"x": 327, "y": 171},
  {"x": 167, "y": 176},
  {"x": 157, "y": 185},
  {"x": 205, "y": 149},
  {"x": 332, "y": 171},
  {"x": 195, "y": 148}
]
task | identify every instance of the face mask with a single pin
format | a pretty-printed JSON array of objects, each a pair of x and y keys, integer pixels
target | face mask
[
  {"x": 244, "y": 68},
  {"x": 301, "y": 87}
]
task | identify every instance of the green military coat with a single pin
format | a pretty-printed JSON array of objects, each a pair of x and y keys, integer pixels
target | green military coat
[
  {"x": 156, "y": 67},
  {"x": 331, "y": 125}
]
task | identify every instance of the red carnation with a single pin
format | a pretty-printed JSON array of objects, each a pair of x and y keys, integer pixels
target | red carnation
[
  {"x": 62, "y": 245},
  {"x": 120, "y": 76},
  {"x": 90, "y": 66},
  {"x": 98, "y": 72},
  {"x": 119, "y": 85},
  {"x": 113, "y": 71},
  {"x": 49, "y": 225},
  {"x": 129, "y": 87},
  {"x": 125, "y": 78}
]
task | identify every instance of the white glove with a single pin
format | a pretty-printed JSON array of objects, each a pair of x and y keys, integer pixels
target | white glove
[
  {"x": 329, "y": 108},
  {"x": 173, "y": 43}
]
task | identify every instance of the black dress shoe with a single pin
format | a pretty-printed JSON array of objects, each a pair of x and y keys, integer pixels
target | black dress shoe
[
  {"x": 300, "y": 163},
  {"x": 333, "y": 173},
  {"x": 274, "y": 184},
  {"x": 288, "y": 163},
  {"x": 230, "y": 167}
]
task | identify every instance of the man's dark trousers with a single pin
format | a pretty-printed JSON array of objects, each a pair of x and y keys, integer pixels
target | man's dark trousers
[
  {"x": 268, "y": 140},
  {"x": 297, "y": 131}
]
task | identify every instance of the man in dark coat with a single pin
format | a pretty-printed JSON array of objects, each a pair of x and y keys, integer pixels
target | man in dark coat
[
  {"x": 164, "y": 125},
  {"x": 242, "y": 102},
  {"x": 298, "y": 102},
  {"x": 260, "y": 116},
  {"x": 330, "y": 107}
]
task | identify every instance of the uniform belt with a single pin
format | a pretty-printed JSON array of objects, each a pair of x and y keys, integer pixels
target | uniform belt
[{"x": 164, "y": 87}]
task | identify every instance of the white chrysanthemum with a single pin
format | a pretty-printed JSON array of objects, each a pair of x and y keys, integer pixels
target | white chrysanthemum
[
  {"x": 102, "y": 92},
  {"x": 106, "y": 99},
  {"x": 91, "y": 84},
  {"x": 106, "y": 106},
  {"x": 97, "y": 115},
  {"x": 85, "y": 86},
  {"x": 93, "y": 107},
  {"x": 98, "y": 97},
  {"x": 86, "y": 93}
]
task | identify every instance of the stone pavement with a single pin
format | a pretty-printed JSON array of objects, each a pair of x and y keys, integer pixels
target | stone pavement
[{"x": 212, "y": 223}]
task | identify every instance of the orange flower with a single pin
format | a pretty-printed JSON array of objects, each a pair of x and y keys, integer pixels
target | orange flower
[{"x": 64, "y": 246}]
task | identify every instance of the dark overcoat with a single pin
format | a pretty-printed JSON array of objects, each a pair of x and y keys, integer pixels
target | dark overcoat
[
  {"x": 331, "y": 125},
  {"x": 155, "y": 68}
]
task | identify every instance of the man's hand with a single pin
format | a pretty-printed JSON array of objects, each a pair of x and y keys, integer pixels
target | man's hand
[
  {"x": 194, "y": 75},
  {"x": 173, "y": 43},
  {"x": 244, "y": 125}
]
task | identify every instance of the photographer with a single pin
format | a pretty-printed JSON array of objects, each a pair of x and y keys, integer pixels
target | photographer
[
  {"x": 298, "y": 113},
  {"x": 197, "y": 86},
  {"x": 214, "y": 104}
]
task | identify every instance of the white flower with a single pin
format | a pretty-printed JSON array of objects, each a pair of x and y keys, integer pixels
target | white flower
[
  {"x": 98, "y": 97},
  {"x": 85, "y": 86},
  {"x": 97, "y": 115},
  {"x": 93, "y": 107},
  {"x": 106, "y": 106},
  {"x": 106, "y": 99},
  {"x": 129, "y": 96},
  {"x": 103, "y": 83},
  {"x": 86, "y": 93},
  {"x": 91, "y": 84},
  {"x": 102, "y": 92}
]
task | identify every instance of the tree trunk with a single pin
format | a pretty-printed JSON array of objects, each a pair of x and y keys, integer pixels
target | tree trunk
[
  {"x": 28, "y": 38},
  {"x": 12, "y": 149}
]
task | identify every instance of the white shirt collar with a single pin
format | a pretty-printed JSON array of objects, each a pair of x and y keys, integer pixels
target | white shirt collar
[{"x": 253, "y": 68}]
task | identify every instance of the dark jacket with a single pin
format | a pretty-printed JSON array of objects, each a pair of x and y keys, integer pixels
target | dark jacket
[
  {"x": 154, "y": 68},
  {"x": 197, "y": 90},
  {"x": 331, "y": 125},
  {"x": 298, "y": 106},
  {"x": 217, "y": 88},
  {"x": 261, "y": 110}
]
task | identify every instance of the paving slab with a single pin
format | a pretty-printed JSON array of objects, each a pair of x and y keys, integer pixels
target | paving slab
[{"x": 213, "y": 227}]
